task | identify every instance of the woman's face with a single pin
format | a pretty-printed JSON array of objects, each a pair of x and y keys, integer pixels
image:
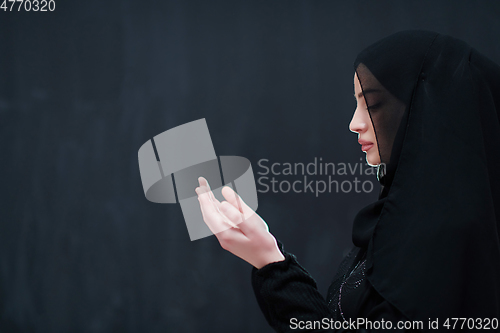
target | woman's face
[{"x": 362, "y": 124}]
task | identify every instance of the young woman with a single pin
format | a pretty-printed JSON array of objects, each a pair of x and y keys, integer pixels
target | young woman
[{"x": 428, "y": 251}]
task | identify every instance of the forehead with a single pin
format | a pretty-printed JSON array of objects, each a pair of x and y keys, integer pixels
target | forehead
[{"x": 357, "y": 86}]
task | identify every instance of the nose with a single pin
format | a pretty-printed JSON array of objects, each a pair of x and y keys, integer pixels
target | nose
[{"x": 359, "y": 122}]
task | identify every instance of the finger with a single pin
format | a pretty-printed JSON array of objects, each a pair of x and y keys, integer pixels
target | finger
[
  {"x": 252, "y": 222},
  {"x": 234, "y": 198},
  {"x": 232, "y": 213},
  {"x": 205, "y": 201},
  {"x": 205, "y": 189},
  {"x": 213, "y": 217},
  {"x": 203, "y": 182},
  {"x": 247, "y": 226}
]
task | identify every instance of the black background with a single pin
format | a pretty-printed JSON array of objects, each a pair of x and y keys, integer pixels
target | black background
[{"x": 83, "y": 87}]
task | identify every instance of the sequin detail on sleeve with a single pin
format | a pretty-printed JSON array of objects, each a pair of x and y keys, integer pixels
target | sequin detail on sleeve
[{"x": 346, "y": 281}]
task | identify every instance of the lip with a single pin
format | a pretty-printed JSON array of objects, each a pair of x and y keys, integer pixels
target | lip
[{"x": 365, "y": 145}]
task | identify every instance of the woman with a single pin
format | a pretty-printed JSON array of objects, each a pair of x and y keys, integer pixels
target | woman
[{"x": 428, "y": 251}]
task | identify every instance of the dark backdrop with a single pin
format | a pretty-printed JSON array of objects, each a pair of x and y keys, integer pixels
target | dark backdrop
[{"x": 83, "y": 87}]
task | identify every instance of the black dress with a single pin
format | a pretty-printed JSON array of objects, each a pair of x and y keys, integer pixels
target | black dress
[
  {"x": 429, "y": 247},
  {"x": 285, "y": 290}
]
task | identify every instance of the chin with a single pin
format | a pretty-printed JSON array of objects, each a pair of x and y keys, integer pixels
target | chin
[{"x": 371, "y": 160}]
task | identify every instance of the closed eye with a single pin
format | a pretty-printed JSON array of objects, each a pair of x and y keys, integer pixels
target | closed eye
[{"x": 374, "y": 106}]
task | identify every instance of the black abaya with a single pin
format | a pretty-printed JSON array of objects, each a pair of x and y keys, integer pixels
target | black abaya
[{"x": 429, "y": 247}]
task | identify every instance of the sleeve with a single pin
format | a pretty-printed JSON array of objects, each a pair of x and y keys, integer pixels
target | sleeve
[{"x": 290, "y": 301}]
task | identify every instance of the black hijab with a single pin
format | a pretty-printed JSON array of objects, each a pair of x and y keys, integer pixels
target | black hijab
[{"x": 432, "y": 238}]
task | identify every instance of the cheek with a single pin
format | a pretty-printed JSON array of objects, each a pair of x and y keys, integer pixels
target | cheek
[{"x": 372, "y": 131}]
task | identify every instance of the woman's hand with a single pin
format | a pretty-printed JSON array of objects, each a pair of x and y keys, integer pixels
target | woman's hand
[{"x": 238, "y": 228}]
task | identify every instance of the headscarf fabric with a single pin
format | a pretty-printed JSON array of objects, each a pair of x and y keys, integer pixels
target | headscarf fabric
[{"x": 432, "y": 238}]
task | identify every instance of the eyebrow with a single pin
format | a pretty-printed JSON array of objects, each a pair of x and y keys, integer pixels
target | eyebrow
[{"x": 367, "y": 91}]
